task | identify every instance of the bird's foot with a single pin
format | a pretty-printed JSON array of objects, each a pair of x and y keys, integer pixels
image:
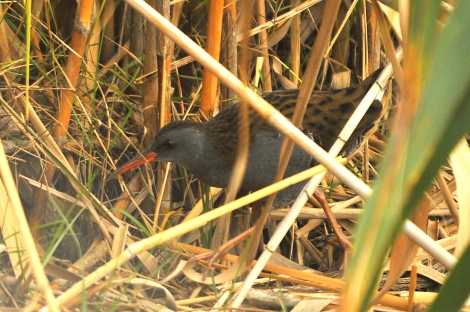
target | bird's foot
[{"x": 219, "y": 252}]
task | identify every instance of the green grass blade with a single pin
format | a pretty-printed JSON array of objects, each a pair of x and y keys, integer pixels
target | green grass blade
[{"x": 456, "y": 288}]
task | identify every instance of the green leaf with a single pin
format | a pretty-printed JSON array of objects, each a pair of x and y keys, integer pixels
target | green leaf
[
  {"x": 413, "y": 158},
  {"x": 456, "y": 288}
]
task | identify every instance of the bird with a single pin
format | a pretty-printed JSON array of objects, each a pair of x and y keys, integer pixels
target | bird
[{"x": 208, "y": 149}]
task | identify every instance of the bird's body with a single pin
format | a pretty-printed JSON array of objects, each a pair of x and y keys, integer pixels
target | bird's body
[{"x": 208, "y": 150}]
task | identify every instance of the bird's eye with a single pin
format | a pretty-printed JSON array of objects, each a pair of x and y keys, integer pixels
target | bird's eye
[{"x": 169, "y": 143}]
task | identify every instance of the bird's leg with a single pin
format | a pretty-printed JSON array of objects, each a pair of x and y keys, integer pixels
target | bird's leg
[
  {"x": 256, "y": 211},
  {"x": 343, "y": 240},
  {"x": 223, "y": 249}
]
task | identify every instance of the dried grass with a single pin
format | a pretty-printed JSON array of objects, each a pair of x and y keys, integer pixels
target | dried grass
[{"x": 122, "y": 260}]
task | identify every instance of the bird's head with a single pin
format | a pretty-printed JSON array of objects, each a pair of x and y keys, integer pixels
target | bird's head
[{"x": 176, "y": 142}]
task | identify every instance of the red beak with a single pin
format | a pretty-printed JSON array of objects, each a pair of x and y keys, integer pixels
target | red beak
[{"x": 137, "y": 161}]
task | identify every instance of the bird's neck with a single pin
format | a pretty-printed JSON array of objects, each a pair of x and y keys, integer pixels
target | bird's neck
[{"x": 202, "y": 156}]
